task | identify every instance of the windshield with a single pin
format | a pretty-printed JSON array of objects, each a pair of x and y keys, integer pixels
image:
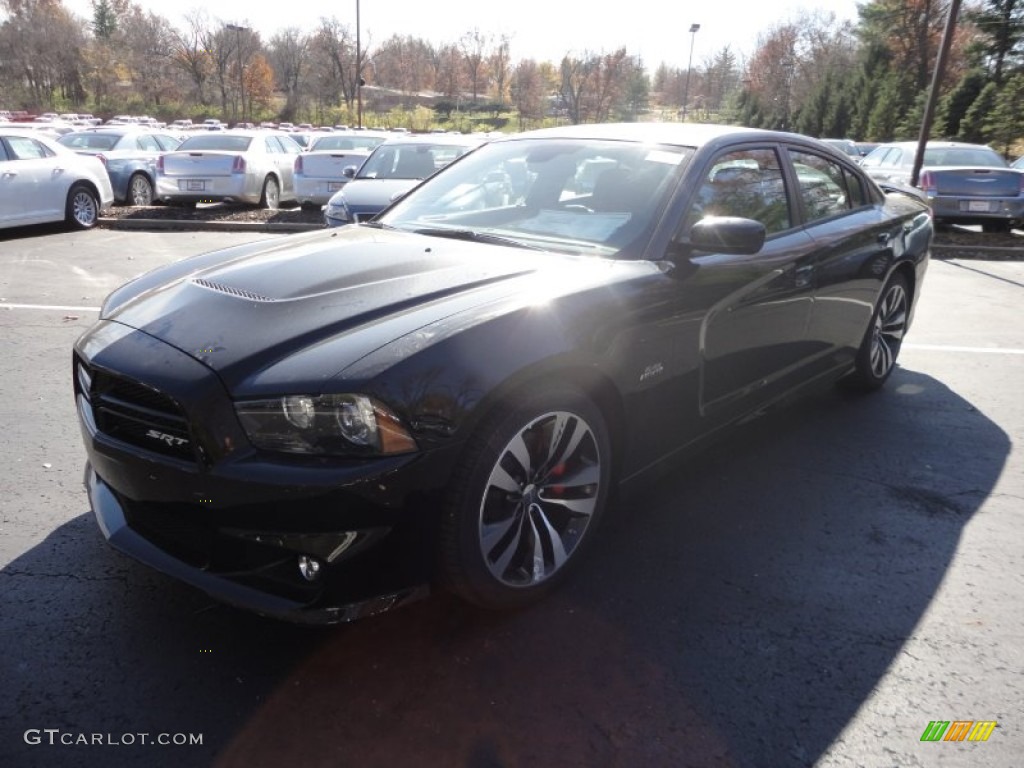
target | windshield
[
  {"x": 567, "y": 195},
  {"x": 409, "y": 161},
  {"x": 100, "y": 142},
  {"x": 346, "y": 142},
  {"x": 976, "y": 157},
  {"x": 215, "y": 141}
]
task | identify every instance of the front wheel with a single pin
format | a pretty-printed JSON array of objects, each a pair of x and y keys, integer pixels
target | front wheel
[
  {"x": 527, "y": 499},
  {"x": 876, "y": 358},
  {"x": 271, "y": 196},
  {"x": 83, "y": 207}
]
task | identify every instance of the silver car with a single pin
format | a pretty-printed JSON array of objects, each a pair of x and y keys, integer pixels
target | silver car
[
  {"x": 329, "y": 162},
  {"x": 245, "y": 166},
  {"x": 963, "y": 183}
]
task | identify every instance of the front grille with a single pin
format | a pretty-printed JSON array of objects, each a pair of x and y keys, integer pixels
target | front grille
[{"x": 137, "y": 414}]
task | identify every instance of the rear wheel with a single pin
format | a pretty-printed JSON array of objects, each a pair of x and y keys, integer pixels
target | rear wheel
[
  {"x": 876, "y": 358},
  {"x": 271, "y": 197},
  {"x": 140, "y": 190},
  {"x": 527, "y": 499},
  {"x": 83, "y": 207}
]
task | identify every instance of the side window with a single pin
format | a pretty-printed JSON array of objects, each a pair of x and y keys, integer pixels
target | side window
[
  {"x": 167, "y": 143},
  {"x": 822, "y": 185},
  {"x": 24, "y": 148},
  {"x": 3, "y": 152},
  {"x": 273, "y": 147},
  {"x": 746, "y": 183},
  {"x": 148, "y": 143}
]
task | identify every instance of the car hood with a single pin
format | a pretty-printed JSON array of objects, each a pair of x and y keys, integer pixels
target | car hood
[
  {"x": 246, "y": 310},
  {"x": 375, "y": 193}
]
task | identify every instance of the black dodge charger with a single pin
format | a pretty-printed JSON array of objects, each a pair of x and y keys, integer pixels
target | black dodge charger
[{"x": 319, "y": 427}]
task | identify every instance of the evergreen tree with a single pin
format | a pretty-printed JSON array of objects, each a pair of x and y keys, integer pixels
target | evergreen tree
[
  {"x": 972, "y": 127},
  {"x": 1002, "y": 123},
  {"x": 953, "y": 107},
  {"x": 104, "y": 20}
]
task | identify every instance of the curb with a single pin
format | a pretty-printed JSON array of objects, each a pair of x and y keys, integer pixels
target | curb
[
  {"x": 163, "y": 225},
  {"x": 982, "y": 252}
]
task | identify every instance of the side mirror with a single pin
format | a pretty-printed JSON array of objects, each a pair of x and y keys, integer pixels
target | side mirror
[
  {"x": 728, "y": 234},
  {"x": 349, "y": 171}
]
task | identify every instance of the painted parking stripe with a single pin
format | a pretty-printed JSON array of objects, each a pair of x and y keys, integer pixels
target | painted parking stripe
[
  {"x": 969, "y": 350},
  {"x": 50, "y": 307}
]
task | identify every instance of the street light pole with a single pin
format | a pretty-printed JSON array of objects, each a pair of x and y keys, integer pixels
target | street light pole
[
  {"x": 694, "y": 29},
  {"x": 238, "y": 30}
]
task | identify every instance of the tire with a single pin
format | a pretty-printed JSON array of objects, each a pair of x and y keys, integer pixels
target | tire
[
  {"x": 82, "y": 210},
  {"x": 523, "y": 507},
  {"x": 271, "y": 195},
  {"x": 140, "y": 190},
  {"x": 876, "y": 358}
]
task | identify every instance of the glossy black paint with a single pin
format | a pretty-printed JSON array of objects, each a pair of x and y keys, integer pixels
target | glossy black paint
[{"x": 671, "y": 342}]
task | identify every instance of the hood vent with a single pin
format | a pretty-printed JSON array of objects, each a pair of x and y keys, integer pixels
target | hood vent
[{"x": 237, "y": 292}]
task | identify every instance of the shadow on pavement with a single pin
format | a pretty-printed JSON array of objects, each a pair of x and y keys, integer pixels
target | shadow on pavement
[{"x": 737, "y": 613}]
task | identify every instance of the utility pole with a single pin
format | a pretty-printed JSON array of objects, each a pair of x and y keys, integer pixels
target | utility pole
[
  {"x": 359, "y": 73},
  {"x": 933, "y": 94}
]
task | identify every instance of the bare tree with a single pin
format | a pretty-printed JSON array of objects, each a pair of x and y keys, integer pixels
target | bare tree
[
  {"x": 473, "y": 45},
  {"x": 192, "y": 54},
  {"x": 499, "y": 63},
  {"x": 288, "y": 55}
]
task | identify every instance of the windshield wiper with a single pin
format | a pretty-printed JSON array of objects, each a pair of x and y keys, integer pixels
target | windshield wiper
[{"x": 474, "y": 236}]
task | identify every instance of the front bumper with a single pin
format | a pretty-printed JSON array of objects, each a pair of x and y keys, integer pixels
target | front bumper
[
  {"x": 174, "y": 483},
  {"x": 228, "y": 588}
]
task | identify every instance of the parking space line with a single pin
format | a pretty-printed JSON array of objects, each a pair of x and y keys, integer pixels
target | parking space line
[
  {"x": 51, "y": 307},
  {"x": 979, "y": 350}
]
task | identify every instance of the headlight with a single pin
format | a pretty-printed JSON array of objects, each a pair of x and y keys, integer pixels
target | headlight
[
  {"x": 350, "y": 425},
  {"x": 337, "y": 210}
]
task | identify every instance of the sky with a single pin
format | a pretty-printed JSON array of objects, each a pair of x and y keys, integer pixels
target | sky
[{"x": 546, "y": 30}]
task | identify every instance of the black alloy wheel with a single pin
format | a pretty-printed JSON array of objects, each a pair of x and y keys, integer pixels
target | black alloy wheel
[
  {"x": 527, "y": 500},
  {"x": 877, "y": 356}
]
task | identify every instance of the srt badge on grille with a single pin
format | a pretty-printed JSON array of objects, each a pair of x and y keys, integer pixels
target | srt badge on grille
[{"x": 163, "y": 437}]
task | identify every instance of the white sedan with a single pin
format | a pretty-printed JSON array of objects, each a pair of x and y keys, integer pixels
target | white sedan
[
  {"x": 246, "y": 166},
  {"x": 41, "y": 182}
]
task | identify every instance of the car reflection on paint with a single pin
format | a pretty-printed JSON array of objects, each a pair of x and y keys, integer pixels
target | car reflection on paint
[{"x": 320, "y": 427}]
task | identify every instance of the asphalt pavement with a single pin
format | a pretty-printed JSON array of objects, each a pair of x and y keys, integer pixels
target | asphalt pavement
[{"x": 813, "y": 590}]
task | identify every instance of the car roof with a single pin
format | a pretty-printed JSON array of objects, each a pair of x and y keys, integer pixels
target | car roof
[
  {"x": 432, "y": 139},
  {"x": 682, "y": 134},
  {"x": 936, "y": 145}
]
